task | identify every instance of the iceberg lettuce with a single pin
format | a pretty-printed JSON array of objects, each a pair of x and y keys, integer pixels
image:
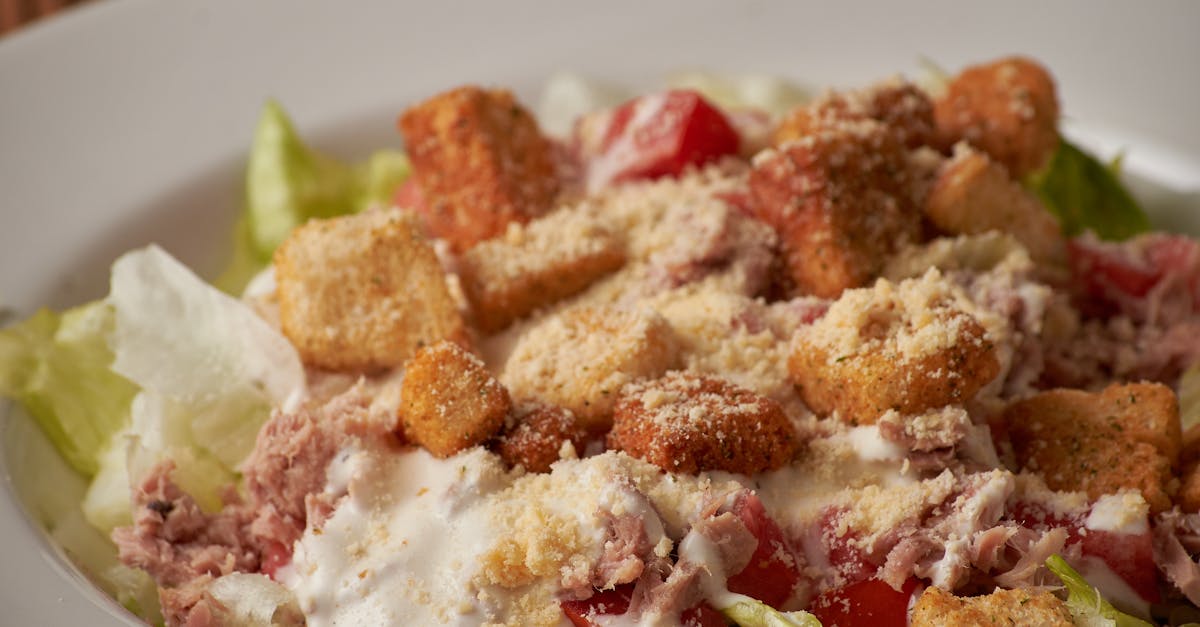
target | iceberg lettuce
[
  {"x": 1085, "y": 603},
  {"x": 57, "y": 367},
  {"x": 210, "y": 370}
]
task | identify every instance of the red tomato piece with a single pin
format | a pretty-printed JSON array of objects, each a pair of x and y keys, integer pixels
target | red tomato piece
[
  {"x": 275, "y": 555},
  {"x": 1101, "y": 265},
  {"x": 1130, "y": 556},
  {"x": 703, "y": 615},
  {"x": 845, "y": 558},
  {"x": 604, "y": 602},
  {"x": 658, "y": 135},
  {"x": 868, "y": 603},
  {"x": 772, "y": 573}
]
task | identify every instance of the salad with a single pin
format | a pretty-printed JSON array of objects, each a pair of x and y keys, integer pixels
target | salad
[{"x": 721, "y": 354}]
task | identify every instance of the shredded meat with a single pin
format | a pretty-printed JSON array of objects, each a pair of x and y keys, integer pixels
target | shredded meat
[
  {"x": 1172, "y": 531},
  {"x": 183, "y": 548}
]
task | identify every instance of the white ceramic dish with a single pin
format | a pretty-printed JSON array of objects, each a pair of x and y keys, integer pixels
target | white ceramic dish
[{"x": 125, "y": 122}]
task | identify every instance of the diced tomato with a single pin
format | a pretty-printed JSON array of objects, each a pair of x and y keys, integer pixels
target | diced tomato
[
  {"x": 868, "y": 603},
  {"x": 846, "y": 558},
  {"x": 703, "y": 615},
  {"x": 1130, "y": 556},
  {"x": 275, "y": 555},
  {"x": 1108, "y": 270},
  {"x": 772, "y": 573},
  {"x": 1101, "y": 265},
  {"x": 604, "y": 602},
  {"x": 409, "y": 196},
  {"x": 654, "y": 136}
]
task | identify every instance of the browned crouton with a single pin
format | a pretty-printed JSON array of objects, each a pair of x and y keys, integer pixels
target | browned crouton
[
  {"x": 537, "y": 264},
  {"x": 1188, "y": 497},
  {"x": 1008, "y": 108},
  {"x": 537, "y": 438},
  {"x": 973, "y": 194},
  {"x": 937, "y": 608},
  {"x": 908, "y": 347},
  {"x": 449, "y": 401},
  {"x": 362, "y": 292},
  {"x": 1127, "y": 436},
  {"x": 581, "y": 358},
  {"x": 904, "y": 109},
  {"x": 689, "y": 423},
  {"x": 480, "y": 162},
  {"x": 841, "y": 200}
]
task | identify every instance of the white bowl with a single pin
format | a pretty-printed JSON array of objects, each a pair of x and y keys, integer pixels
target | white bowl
[{"x": 125, "y": 122}]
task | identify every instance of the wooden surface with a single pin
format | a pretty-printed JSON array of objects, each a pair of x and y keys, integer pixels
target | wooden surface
[{"x": 16, "y": 13}]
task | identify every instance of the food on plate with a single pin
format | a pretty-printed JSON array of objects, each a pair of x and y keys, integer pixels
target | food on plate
[{"x": 894, "y": 355}]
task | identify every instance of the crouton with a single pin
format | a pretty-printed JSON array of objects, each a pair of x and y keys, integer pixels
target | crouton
[
  {"x": 537, "y": 264},
  {"x": 362, "y": 292},
  {"x": 1127, "y": 436},
  {"x": 449, "y": 401},
  {"x": 936, "y": 608},
  {"x": 841, "y": 201},
  {"x": 908, "y": 347},
  {"x": 1008, "y": 108},
  {"x": 581, "y": 358},
  {"x": 1188, "y": 497},
  {"x": 903, "y": 108},
  {"x": 689, "y": 423},
  {"x": 480, "y": 163},
  {"x": 537, "y": 437},
  {"x": 973, "y": 194}
]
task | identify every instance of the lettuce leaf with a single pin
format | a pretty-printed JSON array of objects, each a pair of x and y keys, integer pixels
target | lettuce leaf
[
  {"x": 287, "y": 182},
  {"x": 749, "y": 612},
  {"x": 1086, "y": 605},
  {"x": 210, "y": 371},
  {"x": 57, "y": 367},
  {"x": 1084, "y": 194}
]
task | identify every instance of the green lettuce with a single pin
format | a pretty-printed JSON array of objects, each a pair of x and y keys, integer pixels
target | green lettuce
[
  {"x": 1085, "y": 603},
  {"x": 57, "y": 367},
  {"x": 288, "y": 183},
  {"x": 1084, "y": 194},
  {"x": 750, "y": 612}
]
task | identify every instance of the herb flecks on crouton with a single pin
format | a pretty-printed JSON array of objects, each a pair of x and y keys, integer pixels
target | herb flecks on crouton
[
  {"x": 480, "y": 163},
  {"x": 907, "y": 347},
  {"x": 1125, "y": 437}
]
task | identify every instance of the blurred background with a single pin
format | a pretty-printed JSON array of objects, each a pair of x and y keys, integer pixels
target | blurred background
[{"x": 16, "y": 13}]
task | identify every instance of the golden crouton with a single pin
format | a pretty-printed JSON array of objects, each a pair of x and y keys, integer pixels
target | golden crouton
[
  {"x": 973, "y": 194},
  {"x": 537, "y": 438},
  {"x": 480, "y": 162},
  {"x": 537, "y": 264},
  {"x": 1127, "y": 436},
  {"x": 362, "y": 292},
  {"x": 841, "y": 201},
  {"x": 908, "y": 347},
  {"x": 1188, "y": 497},
  {"x": 937, "y": 608},
  {"x": 903, "y": 108},
  {"x": 1008, "y": 108},
  {"x": 689, "y": 423},
  {"x": 449, "y": 401},
  {"x": 581, "y": 358}
]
